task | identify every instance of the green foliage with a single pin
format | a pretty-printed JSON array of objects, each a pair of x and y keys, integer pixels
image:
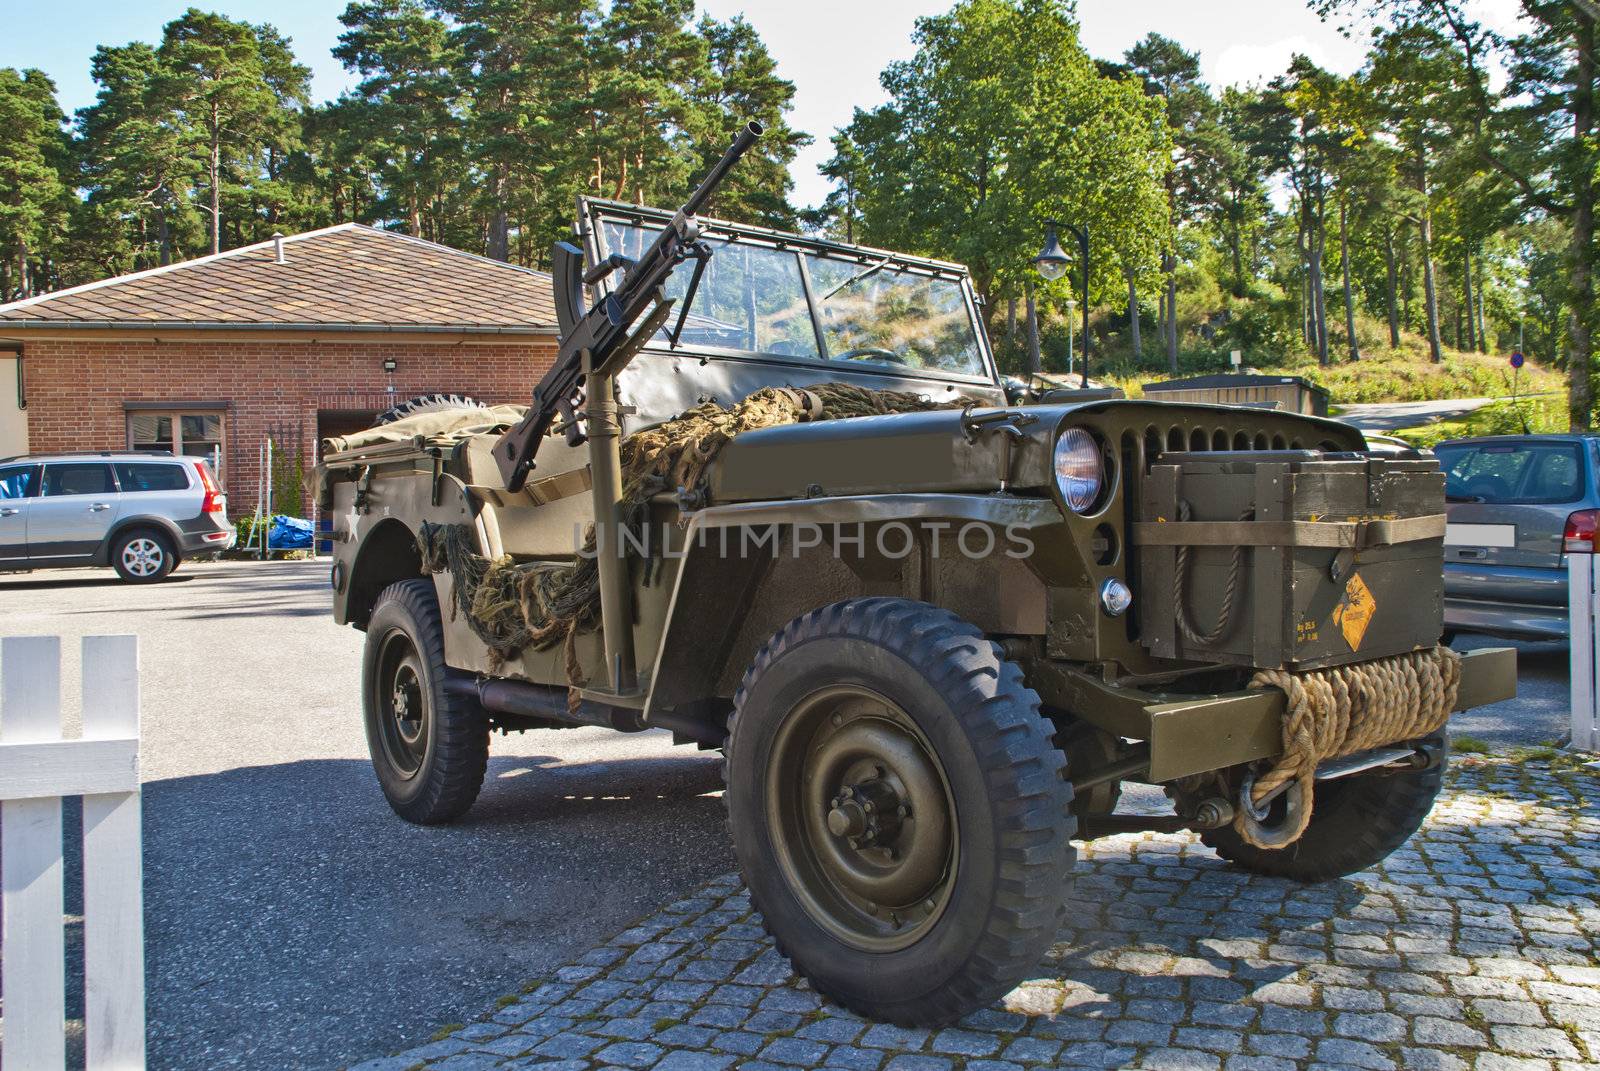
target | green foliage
[
  {"x": 1536, "y": 416},
  {"x": 475, "y": 123},
  {"x": 288, "y": 482},
  {"x": 1002, "y": 120},
  {"x": 34, "y": 200},
  {"x": 1419, "y": 210},
  {"x": 1468, "y": 745}
]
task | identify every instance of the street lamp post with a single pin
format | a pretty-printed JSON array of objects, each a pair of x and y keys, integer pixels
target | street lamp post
[
  {"x": 1072, "y": 305},
  {"x": 1052, "y": 264}
]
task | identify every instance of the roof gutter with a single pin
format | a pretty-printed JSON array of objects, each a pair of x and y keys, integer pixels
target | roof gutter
[{"x": 222, "y": 325}]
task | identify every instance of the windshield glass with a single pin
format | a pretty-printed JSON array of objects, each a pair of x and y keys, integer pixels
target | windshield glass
[
  {"x": 753, "y": 299},
  {"x": 877, "y": 312},
  {"x": 750, "y": 298},
  {"x": 1512, "y": 473}
]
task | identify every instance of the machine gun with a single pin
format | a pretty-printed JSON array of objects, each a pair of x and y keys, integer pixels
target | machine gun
[{"x": 602, "y": 340}]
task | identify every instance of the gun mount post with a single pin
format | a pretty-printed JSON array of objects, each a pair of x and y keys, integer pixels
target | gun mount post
[{"x": 605, "y": 465}]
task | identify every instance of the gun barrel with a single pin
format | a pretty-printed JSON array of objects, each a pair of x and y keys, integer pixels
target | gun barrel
[{"x": 741, "y": 144}]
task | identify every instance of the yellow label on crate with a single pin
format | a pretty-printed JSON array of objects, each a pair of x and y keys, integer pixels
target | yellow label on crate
[{"x": 1355, "y": 610}]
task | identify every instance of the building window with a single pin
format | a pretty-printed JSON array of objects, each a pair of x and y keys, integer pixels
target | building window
[{"x": 197, "y": 434}]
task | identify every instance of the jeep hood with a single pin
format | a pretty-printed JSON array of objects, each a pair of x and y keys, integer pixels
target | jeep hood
[{"x": 956, "y": 451}]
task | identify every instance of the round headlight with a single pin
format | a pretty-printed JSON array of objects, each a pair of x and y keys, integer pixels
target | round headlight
[{"x": 1080, "y": 470}]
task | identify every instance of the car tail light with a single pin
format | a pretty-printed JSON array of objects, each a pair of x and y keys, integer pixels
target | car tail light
[
  {"x": 1582, "y": 530},
  {"x": 215, "y": 500}
]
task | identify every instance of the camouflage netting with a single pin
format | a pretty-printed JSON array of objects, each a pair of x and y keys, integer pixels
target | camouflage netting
[{"x": 513, "y": 605}]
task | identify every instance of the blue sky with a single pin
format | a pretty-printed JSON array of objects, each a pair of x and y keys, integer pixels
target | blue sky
[{"x": 831, "y": 49}]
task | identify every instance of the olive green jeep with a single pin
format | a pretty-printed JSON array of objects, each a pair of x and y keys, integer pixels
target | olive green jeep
[{"x": 934, "y": 639}]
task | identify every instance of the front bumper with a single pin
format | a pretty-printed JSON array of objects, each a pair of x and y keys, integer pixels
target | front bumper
[{"x": 1193, "y": 734}]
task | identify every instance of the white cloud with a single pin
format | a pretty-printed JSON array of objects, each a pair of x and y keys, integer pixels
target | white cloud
[{"x": 1245, "y": 64}]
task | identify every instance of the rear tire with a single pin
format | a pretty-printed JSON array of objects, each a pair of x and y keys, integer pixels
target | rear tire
[
  {"x": 1356, "y": 822},
  {"x": 429, "y": 748},
  {"x": 897, "y": 809},
  {"x": 143, "y": 556}
]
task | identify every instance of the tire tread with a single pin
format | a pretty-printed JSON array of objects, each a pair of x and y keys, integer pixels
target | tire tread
[
  {"x": 461, "y": 733},
  {"x": 1030, "y": 797}
]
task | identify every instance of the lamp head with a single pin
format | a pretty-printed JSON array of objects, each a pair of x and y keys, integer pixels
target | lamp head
[{"x": 1052, "y": 260}]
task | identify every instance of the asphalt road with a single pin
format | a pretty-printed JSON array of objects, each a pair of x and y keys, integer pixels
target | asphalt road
[
  {"x": 1387, "y": 416},
  {"x": 1542, "y": 711},
  {"x": 291, "y": 919}
]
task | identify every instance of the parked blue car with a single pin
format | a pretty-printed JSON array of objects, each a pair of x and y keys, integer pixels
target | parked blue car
[{"x": 1517, "y": 505}]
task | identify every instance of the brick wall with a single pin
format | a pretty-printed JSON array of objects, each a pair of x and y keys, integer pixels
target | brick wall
[{"x": 77, "y": 389}]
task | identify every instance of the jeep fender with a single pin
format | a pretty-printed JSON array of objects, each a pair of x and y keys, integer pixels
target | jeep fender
[{"x": 705, "y": 643}]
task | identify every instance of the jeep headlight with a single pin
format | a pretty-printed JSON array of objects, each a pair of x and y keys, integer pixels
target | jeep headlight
[{"x": 1080, "y": 469}]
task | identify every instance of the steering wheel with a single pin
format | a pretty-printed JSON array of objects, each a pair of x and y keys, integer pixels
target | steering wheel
[{"x": 873, "y": 352}]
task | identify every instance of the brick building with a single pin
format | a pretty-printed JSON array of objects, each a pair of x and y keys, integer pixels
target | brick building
[{"x": 298, "y": 338}]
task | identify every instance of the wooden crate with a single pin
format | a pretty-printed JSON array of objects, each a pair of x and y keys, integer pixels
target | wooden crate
[{"x": 1343, "y": 558}]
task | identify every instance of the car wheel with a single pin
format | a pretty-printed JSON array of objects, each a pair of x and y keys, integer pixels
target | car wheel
[
  {"x": 143, "y": 555},
  {"x": 429, "y": 748},
  {"x": 898, "y": 811}
]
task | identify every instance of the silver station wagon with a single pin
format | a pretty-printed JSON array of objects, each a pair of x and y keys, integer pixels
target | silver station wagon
[
  {"x": 1518, "y": 505},
  {"x": 139, "y": 513}
]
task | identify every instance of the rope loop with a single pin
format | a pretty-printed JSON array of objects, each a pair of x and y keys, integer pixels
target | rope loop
[
  {"x": 1180, "y": 581},
  {"x": 1330, "y": 713}
]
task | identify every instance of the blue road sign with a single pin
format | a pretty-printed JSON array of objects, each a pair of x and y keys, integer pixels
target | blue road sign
[{"x": 1516, "y": 360}]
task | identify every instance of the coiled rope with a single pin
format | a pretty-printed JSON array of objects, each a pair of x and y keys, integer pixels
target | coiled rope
[{"x": 1339, "y": 711}]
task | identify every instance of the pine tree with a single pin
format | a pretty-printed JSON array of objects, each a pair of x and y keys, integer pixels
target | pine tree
[
  {"x": 33, "y": 189},
  {"x": 229, "y": 84}
]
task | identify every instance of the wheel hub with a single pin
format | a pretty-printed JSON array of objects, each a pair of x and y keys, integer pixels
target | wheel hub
[
  {"x": 407, "y": 702},
  {"x": 867, "y": 814},
  {"x": 403, "y": 706},
  {"x": 870, "y": 831}
]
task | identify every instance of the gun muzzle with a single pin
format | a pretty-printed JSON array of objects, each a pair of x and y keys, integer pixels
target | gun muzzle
[{"x": 741, "y": 144}]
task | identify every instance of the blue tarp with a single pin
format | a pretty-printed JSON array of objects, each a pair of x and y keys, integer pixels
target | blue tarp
[{"x": 288, "y": 533}]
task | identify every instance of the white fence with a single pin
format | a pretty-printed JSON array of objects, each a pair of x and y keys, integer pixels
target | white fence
[
  {"x": 38, "y": 768},
  {"x": 1583, "y": 617}
]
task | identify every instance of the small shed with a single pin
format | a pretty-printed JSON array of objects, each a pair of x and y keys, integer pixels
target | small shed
[{"x": 1293, "y": 394}]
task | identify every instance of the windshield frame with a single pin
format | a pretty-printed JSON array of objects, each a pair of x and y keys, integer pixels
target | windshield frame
[{"x": 594, "y": 213}]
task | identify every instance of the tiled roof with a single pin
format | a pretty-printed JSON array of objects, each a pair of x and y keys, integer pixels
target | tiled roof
[{"x": 350, "y": 275}]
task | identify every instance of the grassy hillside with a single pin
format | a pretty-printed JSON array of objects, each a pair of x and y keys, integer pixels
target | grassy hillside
[
  {"x": 1531, "y": 415},
  {"x": 1382, "y": 375}
]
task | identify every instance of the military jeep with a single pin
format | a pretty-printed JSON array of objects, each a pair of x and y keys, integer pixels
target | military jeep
[{"x": 932, "y": 641}]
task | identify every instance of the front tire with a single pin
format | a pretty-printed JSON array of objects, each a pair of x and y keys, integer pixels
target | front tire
[
  {"x": 143, "y": 556},
  {"x": 429, "y": 748},
  {"x": 1356, "y": 822},
  {"x": 898, "y": 811}
]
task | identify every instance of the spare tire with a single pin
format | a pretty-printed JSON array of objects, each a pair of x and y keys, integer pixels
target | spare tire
[{"x": 426, "y": 403}]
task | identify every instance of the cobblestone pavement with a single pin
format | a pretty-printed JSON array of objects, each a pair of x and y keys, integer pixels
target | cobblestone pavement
[{"x": 1472, "y": 947}]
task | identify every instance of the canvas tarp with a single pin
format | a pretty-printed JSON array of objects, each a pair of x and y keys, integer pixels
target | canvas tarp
[{"x": 460, "y": 423}]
